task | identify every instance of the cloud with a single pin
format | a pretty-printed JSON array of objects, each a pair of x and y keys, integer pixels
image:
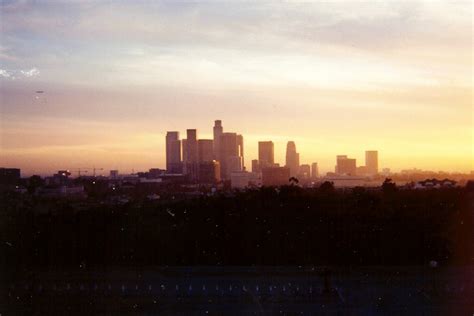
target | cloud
[
  {"x": 5, "y": 74},
  {"x": 33, "y": 72},
  {"x": 15, "y": 74}
]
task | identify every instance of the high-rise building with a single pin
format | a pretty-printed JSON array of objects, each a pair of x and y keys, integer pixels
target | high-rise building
[
  {"x": 184, "y": 144},
  {"x": 173, "y": 153},
  {"x": 314, "y": 170},
  {"x": 240, "y": 147},
  {"x": 205, "y": 150},
  {"x": 266, "y": 154},
  {"x": 218, "y": 130},
  {"x": 292, "y": 158},
  {"x": 234, "y": 164},
  {"x": 305, "y": 171},
  {"x": 372, "y": 162},
  {"x": 230, "y": 158},
  {"x": 191, "y": 145},
  {"x": 209, "y": 172},
  {"x": 190, "y": 154},
  {"x": 345, "y": 166},
  {"x": 255, "y": 166}
]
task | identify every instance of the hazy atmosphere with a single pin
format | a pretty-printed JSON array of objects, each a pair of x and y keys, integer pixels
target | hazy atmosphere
[{"x": 99, "y": 84}]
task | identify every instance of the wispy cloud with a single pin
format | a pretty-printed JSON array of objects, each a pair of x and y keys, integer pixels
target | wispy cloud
[
  {"x": 5, "y": 74},
  {"x": 18, "y": 74},
  {"x": 33, "y": 72}
]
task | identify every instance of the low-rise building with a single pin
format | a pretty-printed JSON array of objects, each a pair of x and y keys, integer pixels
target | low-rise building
[
  {"x": 275, "y": 176},
  {"x": 244, "y": 179}
]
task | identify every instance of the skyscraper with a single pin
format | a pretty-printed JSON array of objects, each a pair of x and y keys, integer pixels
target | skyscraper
[
  {"x": 292, "y": 158},
  {"x": 173, "y": 153},
  {"x": 205, "y": 150},
  {"x": 255, "y": 166},
  {"x": 314, "y": 170},
  {"x": 372, "y": 162},
  {"x": 190, "y": 153},
  {"x": 218, "y": 130},
  {"x": 240, "y": 147},
  {"x": 266, "y": 154},
  {"x": 229, "y": 153},
  {"x": 209, "y": 172},
  {"x": 304, "y": 171}
]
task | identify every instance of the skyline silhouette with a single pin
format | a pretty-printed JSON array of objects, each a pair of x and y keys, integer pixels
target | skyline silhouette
[{"x": 287, "y": 155}]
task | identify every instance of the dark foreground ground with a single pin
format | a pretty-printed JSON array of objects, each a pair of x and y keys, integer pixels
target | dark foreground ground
[
  {"x": 391, "y": 252},
  {"x": 242, "y": 291}
]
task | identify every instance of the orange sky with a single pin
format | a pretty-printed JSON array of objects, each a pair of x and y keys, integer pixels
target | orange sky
[{"x": 337, "y": 79}]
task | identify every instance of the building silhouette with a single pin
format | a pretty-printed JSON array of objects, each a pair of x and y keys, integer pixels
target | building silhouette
[
  {"x": 9, "y": 176},
  {"x": 275, "y": 176},
  {"x": 190, "y": 154},
  {"x": 230, "y": 159},
  {"x": 304, "y": 171},
  {"x": 240, "y": 146},
  {"x": 217, "y": 132},
  {"x": 314, "y": 170},
  {"x": 244, "y": 179},
  {"x": 209, "y": 172},
  {"x": 292, "y": 158},
  {"x": 255, "y": 166},
  {"x": 345, "y": 166},
  {"x": 173, "y": 153},
  {"x": 114, "y": 174},
  {"x": 372, "y": 162},
  {"x": 205, "y": 150},
  {"x": 265, "y": 154}
]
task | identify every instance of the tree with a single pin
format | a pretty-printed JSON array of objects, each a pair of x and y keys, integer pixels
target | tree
[
  {"x": 34, "y": 182},
  {"x": 389, "y": 186},
  {"x": 293, "y": 181},
  {"x": 327, "y": 187}
]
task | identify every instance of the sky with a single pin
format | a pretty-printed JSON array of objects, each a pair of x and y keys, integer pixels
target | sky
[{"x": 335, "y": 77}]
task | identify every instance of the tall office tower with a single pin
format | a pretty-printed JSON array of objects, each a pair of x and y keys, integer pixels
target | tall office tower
[
  {"x": 305, "y": 171},
  {"x": 218, "y": 130},
  {"x": 339, "y": 158},
  {"x": 209, "y": 172},
  {"x": 266, "y": 154},
  {"x": 173, "y": 153},
  {"x": 346, "y": 166},
  {"x": 234, "y": 164},
  {"x": 372, "y": 162},
  {"x": 255, "y": 166},
  {"x": 191, "y": 145},
  {"x": 184, "y": 145},
  {"x": 240, "y": 147},
  {"x": 314, "y": 170},
  {"x": 229, "y": 153},
  {"x": 292, "y": 158},
  {"x": 205, "y": 150},
  {"x": 190, "y": 153}
]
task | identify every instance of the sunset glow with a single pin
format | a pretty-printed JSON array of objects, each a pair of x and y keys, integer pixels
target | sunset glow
[{"x": 336, "y": 78}]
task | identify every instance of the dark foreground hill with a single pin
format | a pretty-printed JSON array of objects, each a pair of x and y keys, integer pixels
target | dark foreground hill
[{"x": 286, "y": 226}]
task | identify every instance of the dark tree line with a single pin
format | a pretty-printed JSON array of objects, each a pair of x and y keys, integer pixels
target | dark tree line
[{"x": 288, "y": 226}]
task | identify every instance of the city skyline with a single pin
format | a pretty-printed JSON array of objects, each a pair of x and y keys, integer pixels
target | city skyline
[
  {"x": 177, "y": 148},
  {"x": 84, "y": 84}
]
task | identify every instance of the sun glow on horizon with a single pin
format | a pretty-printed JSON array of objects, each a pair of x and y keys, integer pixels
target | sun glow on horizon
[{"x": 337, "y": 78}]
